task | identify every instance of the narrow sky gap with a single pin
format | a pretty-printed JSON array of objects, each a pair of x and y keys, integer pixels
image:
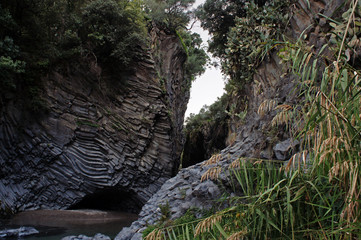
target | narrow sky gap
[{"x": 210, "y": 85}]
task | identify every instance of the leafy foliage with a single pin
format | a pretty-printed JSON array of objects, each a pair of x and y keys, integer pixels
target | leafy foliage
[
  {"x": 113, "y": 30},
  {"x": 205, "y": 132},
  {"x": 277, "y": 204},
  {"x": 37, "y": 36},
  {"x": 215, "y": 113},
  {"x": 250, "y": 39},
  {"x": 10, "y": 64},
  {"x": 197, "y": 57},
  {"x": 218, "y": 17},
  {"x": 243, "y": 33},
  {"x": 171, "y": 14},
  {"x": 332, "y": 121}
]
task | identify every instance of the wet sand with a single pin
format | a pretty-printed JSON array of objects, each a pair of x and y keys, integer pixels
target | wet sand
[
  {"x": 64, "y": 218},
  {"x": 55, "y": 224}
]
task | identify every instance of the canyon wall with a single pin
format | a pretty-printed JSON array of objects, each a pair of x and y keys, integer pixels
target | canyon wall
[
  {"x": 103, "y": 141},
  {"x": 255, "y": 138}
]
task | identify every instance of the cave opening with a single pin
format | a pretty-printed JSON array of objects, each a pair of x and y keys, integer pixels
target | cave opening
[
  {"x": 201, "y": 143},
  {"x": 110, "y": 200}
]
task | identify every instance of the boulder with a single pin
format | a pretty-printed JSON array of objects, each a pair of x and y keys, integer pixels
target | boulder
[
  {"x": 97, "y": 236},
  {"x": 18, "y": 232},
  {"x": 284, "y": 150}
]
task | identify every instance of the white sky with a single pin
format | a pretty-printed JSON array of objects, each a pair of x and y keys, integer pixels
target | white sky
[{"x": 207, "y": 88}]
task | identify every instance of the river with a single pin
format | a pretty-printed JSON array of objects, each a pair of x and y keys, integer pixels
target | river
[{"x": 55, "y": 224}]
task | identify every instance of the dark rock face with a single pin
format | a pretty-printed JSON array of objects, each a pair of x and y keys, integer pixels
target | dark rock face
[
  {"x": 181, "y": 193},
  {"x": 254, "y": 138},
  {"x": 257, "y": 137},
  {"x": 98, "y": 136},
  {"x": 169, "y": 55},
  {"x": 201, "y": 144}
]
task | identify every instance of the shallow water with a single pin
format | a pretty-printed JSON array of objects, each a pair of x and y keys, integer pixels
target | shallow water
[{"x": 55, "y": 224}]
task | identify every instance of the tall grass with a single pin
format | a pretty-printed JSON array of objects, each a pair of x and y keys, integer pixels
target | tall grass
[
  {"x": 316, "y": 195},
  {"x": 333, "y": 113},
  {"x": 277, "y": 204}
]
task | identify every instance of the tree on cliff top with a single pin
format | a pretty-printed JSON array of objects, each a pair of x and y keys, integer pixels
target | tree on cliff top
[
  {"x": 113, "y": 30},
  {"x": 218, "y": 16},
  {"x": 38, "y": 36},
  {"x": 172, "y": 14}
]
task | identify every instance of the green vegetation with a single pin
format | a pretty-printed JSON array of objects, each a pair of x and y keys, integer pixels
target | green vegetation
[
  {"x": 214, "y": 114},
  {"x": 113, "y": 30},
  {"x": 38, "y": 37},
  {"x": 169, "y": 14},
  {"x": 250, "y": 39},
  {"x": 197, "y": 58},
  {"x": 242, "y": 34},
  {"x": 279, "y": 203},
  {"x": 316, "y": 195},
  {"x": 218, "y": 16}
]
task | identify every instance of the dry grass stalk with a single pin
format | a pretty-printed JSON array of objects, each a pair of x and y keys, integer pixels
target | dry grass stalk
[
  {"x": 313, "y": 139},
  {"x": 299, "y": 159},
  {"x": 328, "y": 105},
  {"x": 211, "y": 173},
  {"x": 235, "y": 164},
  {"x": 238, "y": 235},
  {"x": 352, "y": 198},
  {"x": 258, "y": 161},
  {"x": 156, "y": 234},
  {"x": 340, "y": 170},
  {"x": 207, "y": 224},
  {"x": 336, "y": 148},
  {"x": 284, "y": 116},
  {"x": 333, "y": 148},
  {"x": 213, "y": 160},
  {"x": 266, "y": 106},
  {"x": 284, "y": 107}
]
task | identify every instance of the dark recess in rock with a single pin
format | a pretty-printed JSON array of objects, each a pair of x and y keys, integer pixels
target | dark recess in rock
[
  {"x": 110, "y": 200},
  {"x": 201, "y": 143}
]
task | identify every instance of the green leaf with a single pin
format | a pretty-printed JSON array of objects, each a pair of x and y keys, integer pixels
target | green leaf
[
  {"x": 220, "y": 229},
  {"x": 269, "y": 221},
  {"x": 344, "y": 79},
  {"x": 187, "y": 232}
]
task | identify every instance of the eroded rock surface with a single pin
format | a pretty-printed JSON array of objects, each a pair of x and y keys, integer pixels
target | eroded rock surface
[
  {"x": 179, "y": 193},
  {"x": 97, "y": 236},
  {"x": 254, "y": 138},
  {"x": 98, "y": 135}
]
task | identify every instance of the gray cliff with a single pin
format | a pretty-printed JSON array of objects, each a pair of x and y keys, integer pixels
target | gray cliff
[
  {"x": 186, "y": 190},
  {"x": 113, "y": 144}
]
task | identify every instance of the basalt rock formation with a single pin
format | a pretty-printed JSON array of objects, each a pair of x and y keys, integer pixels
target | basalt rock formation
[
  {"x": 101, "y": 144},
  {"x": 186, "y": 190}
]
